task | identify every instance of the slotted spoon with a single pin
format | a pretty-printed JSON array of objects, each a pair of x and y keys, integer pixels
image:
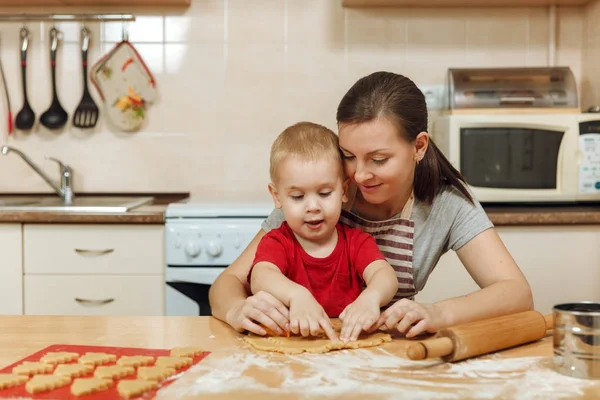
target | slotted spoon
[{"x": 86, "y": 114}]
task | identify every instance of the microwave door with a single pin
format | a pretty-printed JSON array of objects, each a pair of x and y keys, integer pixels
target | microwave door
[{"x": 510, "y": 158}]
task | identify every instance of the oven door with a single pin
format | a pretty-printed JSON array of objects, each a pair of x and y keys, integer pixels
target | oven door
[{"x": 187, "y": 290}]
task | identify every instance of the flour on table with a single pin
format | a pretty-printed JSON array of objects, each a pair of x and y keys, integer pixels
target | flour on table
[{"x": 378, "y": 373}]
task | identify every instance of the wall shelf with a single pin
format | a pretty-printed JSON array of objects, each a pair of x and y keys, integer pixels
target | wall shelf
[{"x": 462, "y": 3}]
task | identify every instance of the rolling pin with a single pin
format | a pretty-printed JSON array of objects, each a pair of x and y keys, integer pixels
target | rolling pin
[{"x": 481, "y": 337}]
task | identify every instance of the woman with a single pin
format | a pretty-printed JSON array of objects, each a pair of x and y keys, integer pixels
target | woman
[{"x": 407, "y": 195}]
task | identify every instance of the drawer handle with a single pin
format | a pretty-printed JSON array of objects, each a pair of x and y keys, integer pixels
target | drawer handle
[
  {"x": 94, "y": 302},
  {"x": 94, "y": 252}
]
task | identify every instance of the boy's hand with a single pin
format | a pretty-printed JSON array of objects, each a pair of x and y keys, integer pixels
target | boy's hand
[
  {"x": 360, "y": 315},
  {"x": 308, "y": 318}
]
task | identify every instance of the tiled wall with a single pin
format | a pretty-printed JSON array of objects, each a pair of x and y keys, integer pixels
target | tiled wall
[
  {"x": 591, "y": 56},
  {"x": 233, "y": 73}
]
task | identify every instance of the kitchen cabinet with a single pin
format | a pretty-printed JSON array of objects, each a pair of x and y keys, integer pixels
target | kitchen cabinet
[
  {"x": 91, "y": 269},
  {"x": 62, "y": 3},
  {"x": 561, "y": 263},
  {"x": 11, "y": 269},
  {"x": 461, "y": 3}
]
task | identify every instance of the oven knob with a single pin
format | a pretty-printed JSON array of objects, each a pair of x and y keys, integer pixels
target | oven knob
[
  {"x": 214, "y": 248},
  {"x": 192, "y": 249}
]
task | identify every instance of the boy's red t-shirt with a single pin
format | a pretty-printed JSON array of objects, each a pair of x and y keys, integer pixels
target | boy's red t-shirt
[{"x": 336, "y": 280}]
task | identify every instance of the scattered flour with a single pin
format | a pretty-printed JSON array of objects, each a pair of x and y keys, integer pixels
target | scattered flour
[{"x": 378, "y": 373}]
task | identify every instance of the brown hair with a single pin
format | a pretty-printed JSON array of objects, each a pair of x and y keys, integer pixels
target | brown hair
[
  {"x": 306, "y": 140},
  {"x": 397, "y": 98}
]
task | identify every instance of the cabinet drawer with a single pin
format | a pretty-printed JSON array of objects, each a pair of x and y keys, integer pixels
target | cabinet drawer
[
  {"x": 93, "y": 249},
  {"x": 94, "y": 295}
]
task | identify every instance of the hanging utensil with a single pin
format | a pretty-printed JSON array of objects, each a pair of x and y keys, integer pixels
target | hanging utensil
[
  {"x": 56, "y": 116},
  {"x": 86, "y": 114},
  {"x": 26, "y": 117},
  {"x": 10, "y": 122}
]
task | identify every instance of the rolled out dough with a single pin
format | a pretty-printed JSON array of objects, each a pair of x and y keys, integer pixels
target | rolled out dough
[{"x": 316, "y": 344}]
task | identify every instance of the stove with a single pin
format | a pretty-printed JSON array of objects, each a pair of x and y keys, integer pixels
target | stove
[{"x": 201, "y": 240}]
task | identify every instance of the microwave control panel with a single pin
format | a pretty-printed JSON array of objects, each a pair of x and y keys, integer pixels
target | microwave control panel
[{"x": 589, "y": 146}]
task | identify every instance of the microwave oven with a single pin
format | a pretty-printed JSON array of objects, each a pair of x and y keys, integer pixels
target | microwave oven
[{"x": 524, "y": 158}]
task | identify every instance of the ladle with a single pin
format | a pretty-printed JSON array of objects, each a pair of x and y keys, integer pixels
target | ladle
[
  {"x": 56, "y": 116},
  {"x": 26, "y": 117}
]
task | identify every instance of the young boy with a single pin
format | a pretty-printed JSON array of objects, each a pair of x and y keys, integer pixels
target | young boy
[{"x": 314, "y": 264}]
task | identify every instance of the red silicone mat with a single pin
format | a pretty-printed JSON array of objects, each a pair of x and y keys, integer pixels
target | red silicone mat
[{"x": 65, "y": 392}]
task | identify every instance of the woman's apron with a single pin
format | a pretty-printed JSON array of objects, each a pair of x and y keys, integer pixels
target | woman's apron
[{"x": 394, "y": 238}]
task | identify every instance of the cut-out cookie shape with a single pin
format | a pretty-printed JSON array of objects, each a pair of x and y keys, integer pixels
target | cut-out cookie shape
[
  {"x": 97, "y": 358},
  {"x": 43, "y": 383},
  {"x": 134, "y": 387},
  {"x": 59, "y": 357},
  {"x": 186, "y": 351},
  {"x": 73, "y": 370},
  {"x": 10, "y": 380},
  {"x": 84, "y": 386},
  {"x": 173, "y": 362},
  {"x": 113, "y": 372},
  {"x": 32, "y": 368},
  {"x": 135, "y": 361},
  {"x": 155, "y": 373}
]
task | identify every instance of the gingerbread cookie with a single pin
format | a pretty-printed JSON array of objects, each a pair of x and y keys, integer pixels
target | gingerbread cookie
[
  {"x": 134, "y": 387},
  {"x": 43, "y": 383},
  {"x": 186, "y": 351},
  {"x": 173, "y": 362},
  {"x": 97, "y": 358},
  {"x": 155, "y": 373},
  {"x": 32, "y": 368},
  {"x": 135, "y": 361},
  {"x": 73, "y": 370},
  {"x": 59, "y": 357},
  {"x": 85, "y": 386},
  {"x": 10, "y": 380},
  {"x": 113, "y": 372}
]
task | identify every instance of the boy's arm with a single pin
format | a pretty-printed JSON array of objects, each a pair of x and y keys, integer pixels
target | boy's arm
[
  {"x": 268, "y": 277},
  {"x": 381, "y": 280}
]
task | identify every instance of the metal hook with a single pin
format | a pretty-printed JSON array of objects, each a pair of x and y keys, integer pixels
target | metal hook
[
  {"x": 24, "y": 33},
  {"x": 124, "y": 33},
  {"x": 85, "y": 38}
]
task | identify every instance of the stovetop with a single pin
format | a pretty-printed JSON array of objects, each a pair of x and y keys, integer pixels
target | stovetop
[{"x": 192, "y": 208}]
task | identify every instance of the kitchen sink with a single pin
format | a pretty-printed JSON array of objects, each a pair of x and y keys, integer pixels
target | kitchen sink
[{"x": 86, "y": 204}]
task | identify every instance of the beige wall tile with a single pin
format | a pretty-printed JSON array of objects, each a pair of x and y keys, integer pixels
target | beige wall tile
[{"x": 232, "y": 74}]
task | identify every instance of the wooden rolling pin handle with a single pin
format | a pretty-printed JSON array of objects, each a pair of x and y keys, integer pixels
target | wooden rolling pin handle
[{"x": 437, "y": 347}]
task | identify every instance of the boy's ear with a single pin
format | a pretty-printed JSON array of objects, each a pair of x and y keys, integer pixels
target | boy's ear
[
  {"x": 275, "y": 195},
  {"x": 345, "y": 186}
]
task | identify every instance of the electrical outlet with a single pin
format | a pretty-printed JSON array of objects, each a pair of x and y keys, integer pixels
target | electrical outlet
[{"x": 434, "y": 96}]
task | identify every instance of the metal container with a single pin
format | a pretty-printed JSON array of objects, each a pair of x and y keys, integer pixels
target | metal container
[{"x": 577, "y": 339}]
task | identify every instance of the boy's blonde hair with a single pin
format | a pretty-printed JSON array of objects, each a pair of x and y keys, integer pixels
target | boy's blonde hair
[{"x": 306, "y": 140}]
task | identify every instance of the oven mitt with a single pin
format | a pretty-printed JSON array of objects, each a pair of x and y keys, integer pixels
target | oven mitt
[{"x": 126, "y": 86}]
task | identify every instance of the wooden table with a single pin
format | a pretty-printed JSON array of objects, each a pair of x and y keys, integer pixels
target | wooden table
[{"x": 235, "y": 371}]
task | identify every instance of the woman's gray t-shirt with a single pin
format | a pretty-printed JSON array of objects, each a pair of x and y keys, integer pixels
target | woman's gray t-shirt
[{"x": 449, "y": 222}]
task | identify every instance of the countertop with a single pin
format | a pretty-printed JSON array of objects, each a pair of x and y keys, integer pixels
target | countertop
[
  {"x": 544, "y": 215},
  {"x": 234, "y": 371}
]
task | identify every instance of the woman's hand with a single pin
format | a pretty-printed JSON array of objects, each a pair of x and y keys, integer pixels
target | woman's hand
[
  {"x": 360, "y": 315},
  {"x": 261, "y": 308},
  {"x": 411, "y": 318}
]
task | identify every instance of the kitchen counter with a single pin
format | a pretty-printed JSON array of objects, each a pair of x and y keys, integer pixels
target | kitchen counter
[
  {"x": 149, "y": 214},
  {"x": 233, "y": 370},
  {"x": 544, "y": 215}
]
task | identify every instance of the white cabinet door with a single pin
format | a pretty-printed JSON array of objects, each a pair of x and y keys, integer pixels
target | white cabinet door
[
  {"x": 11, "y": 269},
  {"x": 561, "y": 263}
]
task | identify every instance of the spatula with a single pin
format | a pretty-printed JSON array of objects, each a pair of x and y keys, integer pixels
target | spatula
[{"x": 86, "y": 114}]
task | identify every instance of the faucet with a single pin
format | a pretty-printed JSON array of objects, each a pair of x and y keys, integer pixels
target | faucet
[{"x": 65, "y": 190}]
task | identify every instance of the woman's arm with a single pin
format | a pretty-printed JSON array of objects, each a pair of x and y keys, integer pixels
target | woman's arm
[
  {"x": 504, "y": 289},
  {"x": 229, "y": 301}
]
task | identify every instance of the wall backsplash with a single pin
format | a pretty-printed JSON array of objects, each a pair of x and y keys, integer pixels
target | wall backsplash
[{"x": 231, "y": 74}]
